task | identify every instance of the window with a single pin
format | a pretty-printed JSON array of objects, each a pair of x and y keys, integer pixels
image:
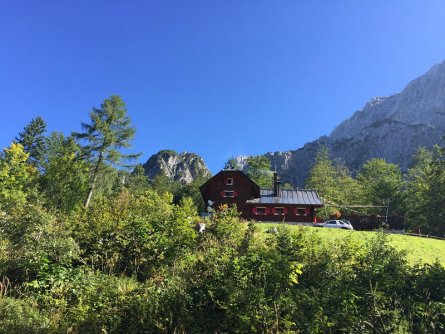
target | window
[
  {"x": 300, "y": 212},
  {"x": 279, "y": 211},
  {"x": 261, "y": 211},
  {"x": 228, "y": 193},
  {"x": 229, "y": 181}
]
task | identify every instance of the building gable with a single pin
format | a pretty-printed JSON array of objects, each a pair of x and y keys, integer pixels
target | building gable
[
  {"x": 233, "y": 187},
  {"x": 230, "y": 187}
]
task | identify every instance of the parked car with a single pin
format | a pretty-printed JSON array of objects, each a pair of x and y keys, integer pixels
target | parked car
[{"x": 335, "y": 223}]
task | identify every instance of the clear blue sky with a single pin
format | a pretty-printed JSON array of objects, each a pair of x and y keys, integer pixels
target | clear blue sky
[{"x": 218, "y": 78}]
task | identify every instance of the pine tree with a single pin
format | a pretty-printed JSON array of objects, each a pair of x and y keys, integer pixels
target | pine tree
[
  {"x": 33, "y": 140},
  {"x": 108, "y": 132}
]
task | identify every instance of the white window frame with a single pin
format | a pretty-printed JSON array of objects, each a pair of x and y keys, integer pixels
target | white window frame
[
  {"x": 229, "y": 181},
  {"x": 229, "y": 191}
]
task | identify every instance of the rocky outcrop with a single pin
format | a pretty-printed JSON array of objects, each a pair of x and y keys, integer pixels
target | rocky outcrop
[
  {"x": 391, "y": 127},
  {"x": 184, "y": 167}
]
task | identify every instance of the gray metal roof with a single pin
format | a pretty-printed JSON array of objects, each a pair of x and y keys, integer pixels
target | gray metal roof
[{"x": 298, "y": 197}]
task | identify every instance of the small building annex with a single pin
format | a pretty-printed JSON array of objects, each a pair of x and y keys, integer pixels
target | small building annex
[{"x": 234, "y": 187}]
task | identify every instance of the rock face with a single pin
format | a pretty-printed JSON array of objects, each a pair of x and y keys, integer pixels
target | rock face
[
  {"x": 391, "y": 127},
  {"x": 183, "y": 167}
]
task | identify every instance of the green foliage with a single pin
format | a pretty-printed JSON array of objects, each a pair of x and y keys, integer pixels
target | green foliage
[
  {"x": 322, "y": 174},
  {"x": 134, "y": 235},
  {"x": 137, "y": 182},
  {"x": 17, "y": 177},
  {"x": 192, "y": 191},
  {"x": 132, "y": 261},
  {"x": 33, "y": 140},
  {"x": 434, "y": 206},
  {"x": 381, "y": 181},
  {"x": 416, "y": 201},
  {"x": 135, "y": 264},
  {"x": 163, "y": 184},
  {"x": 108, "y": 132},
  {"x": 232, "y": 164},
  {"x": 333, "y": 183},
  {"x": 22, "y": 316},
  {"x": 65, "y": 177},
  {"x": 259, "y": 170},
  {"x": 37, "y": 242}
]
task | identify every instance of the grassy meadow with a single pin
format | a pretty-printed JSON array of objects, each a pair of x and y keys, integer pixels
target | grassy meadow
[{"x": 418, "y": 250}]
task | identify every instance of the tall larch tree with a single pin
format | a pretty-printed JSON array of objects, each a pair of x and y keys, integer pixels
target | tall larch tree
[{"x": 108, "y": 132}]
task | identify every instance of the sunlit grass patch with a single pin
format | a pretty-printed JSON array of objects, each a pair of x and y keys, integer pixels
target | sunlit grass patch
[{"x": 418, "y": 250}]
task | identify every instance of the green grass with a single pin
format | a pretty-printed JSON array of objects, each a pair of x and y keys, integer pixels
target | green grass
[{"x": 418, "y": 250}]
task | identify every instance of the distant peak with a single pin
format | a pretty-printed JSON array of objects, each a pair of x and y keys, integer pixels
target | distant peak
[
  {"x": 167, "y": 152},
  {"x": 184, "y": 167}
]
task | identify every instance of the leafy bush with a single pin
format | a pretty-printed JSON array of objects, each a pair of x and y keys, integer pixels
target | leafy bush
[
  {"x": 134, "y": 263},
  {"x": 22, "y": 316}
]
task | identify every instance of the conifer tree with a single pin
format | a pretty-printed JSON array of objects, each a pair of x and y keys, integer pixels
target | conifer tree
[
  {"x": 33, "y": 140},
  {"x": 108, "y": 132}
]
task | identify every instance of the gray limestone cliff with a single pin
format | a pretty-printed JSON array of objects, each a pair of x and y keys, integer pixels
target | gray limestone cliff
[
  {"x": 182, "y": 167},
  {"x": 391, "y": 127}
]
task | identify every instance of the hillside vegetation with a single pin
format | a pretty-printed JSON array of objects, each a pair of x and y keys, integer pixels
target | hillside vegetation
[
  {"x": 86, "y": 247},
  {"x": 417, "y": 250},
  {"x": 136, "y": 264}
]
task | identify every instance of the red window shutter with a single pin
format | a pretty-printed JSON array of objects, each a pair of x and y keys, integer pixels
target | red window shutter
[
  {"x": 295, "y": 211},
  {"x": 267, "y": 211},
  {"x": 254, "y": 210},
  {"x": 308, "y": 211},
  {"x": 222, "y": 193},
  {"x": 235, "y": 193},
  {"x": 285, "y": 211},
  {"x": 272, "y": 211}
]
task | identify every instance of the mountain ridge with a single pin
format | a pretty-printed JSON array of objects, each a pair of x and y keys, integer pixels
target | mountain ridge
[
  {"x": 181, "y": 167},
  {"x": 391, "y": 127}
]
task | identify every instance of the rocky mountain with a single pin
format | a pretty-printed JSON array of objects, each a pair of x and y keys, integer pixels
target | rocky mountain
[
  {"x": 184, "y": 167},
  {"x": 391, "y": 127}
]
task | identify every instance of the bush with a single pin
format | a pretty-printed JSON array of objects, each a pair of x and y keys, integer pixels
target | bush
[{"x": 22, "y": 316}]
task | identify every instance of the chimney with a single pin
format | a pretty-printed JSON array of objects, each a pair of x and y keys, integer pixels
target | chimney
[{"x": 276, "y": 185}]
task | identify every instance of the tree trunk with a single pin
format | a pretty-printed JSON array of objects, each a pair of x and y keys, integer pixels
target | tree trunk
[{"x": 93, "y": 182}]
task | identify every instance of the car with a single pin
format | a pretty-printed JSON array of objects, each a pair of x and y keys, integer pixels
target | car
[{"x": 335, "y": 223}]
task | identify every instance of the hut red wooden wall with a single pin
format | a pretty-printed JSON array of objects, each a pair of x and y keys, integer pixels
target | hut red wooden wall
[{"x": 243, "y": 188}]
